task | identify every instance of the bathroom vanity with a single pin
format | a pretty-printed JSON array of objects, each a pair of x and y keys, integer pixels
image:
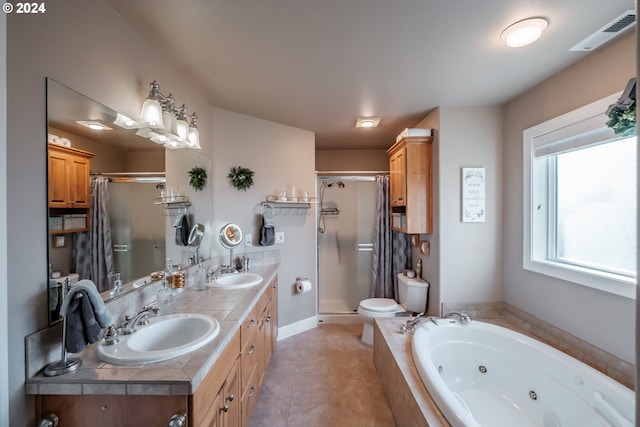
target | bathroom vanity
[{"x": 215, "y": 385}]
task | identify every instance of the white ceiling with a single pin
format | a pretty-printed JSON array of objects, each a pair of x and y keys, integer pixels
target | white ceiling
[{"x": 319, "y": 64}]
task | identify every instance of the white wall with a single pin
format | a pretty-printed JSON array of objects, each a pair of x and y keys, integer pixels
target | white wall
[
  {"x": 279, "y": 155},
  {"x": 604, "y": 320}
]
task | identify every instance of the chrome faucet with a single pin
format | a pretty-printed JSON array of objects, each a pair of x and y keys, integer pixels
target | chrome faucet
[
  {"x": 413, "y": 323},
  {"x": 141, "y": 318},
  {"x": 464, "y": 317},
  {"x": 219, "y": 271}
]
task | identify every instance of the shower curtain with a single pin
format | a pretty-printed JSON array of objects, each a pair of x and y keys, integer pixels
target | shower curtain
[
  {"x": 92, "y": 250},
  {"x": 391, "y": 250}
]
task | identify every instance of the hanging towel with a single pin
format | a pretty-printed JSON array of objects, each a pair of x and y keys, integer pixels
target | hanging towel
[
  {"x": 86, "y": 315},
  {"x": 182, "y": 229},
  {"x": 82, "y": 327},
  {"x": 267, "y": 230},
  {"x": 100, "y": 310}
]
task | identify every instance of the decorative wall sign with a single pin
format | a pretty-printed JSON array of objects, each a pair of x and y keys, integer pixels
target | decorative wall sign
[{"x": 473, "y": 195}]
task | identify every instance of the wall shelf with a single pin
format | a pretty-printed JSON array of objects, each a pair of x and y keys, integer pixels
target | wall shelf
[
  {"x": 174, "y": 205},
  {"x": 273, "y": 201}
]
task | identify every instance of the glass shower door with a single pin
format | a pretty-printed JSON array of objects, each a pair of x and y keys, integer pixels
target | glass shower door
[{"x": 346, "y": 227}]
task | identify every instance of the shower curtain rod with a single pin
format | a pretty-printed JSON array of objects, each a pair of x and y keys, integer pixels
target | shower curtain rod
[
  {"x": 137, "y": 177},
  {"x": 152, "y": 174}
]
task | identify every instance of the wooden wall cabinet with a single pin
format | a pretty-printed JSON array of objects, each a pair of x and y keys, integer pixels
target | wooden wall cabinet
[
  {"x": 410, "y": 187},
  {"x": 68, "y": 177}
]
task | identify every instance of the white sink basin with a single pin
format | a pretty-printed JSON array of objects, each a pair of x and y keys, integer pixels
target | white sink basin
[
  {"x": 237, "y": 280},
  {"x": 164, "y": 338}
]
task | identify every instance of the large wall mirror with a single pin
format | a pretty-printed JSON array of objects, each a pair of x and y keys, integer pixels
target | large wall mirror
[{"x": 104, "y": 185}]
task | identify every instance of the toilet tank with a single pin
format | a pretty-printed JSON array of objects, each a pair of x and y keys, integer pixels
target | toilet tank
[{"x": 412, "y": 293}]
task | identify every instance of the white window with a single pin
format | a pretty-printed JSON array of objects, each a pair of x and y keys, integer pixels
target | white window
[{"x": 580, "y": 200}]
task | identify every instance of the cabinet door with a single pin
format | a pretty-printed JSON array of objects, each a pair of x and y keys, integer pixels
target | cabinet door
[
  {"x": 79, "y": 182},
  {"x": 398, "y": 186},
  {"x": 58, "y": 180},
  {"x": 231, "y": 399}
]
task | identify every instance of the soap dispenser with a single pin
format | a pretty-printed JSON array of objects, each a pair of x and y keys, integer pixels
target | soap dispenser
[{"x": 117, "y": 286}]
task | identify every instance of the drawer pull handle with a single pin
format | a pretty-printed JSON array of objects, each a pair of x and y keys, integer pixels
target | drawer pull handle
[
  {"x": 230, "y": 398},
  {"x": 225, "y": 408},
  {"x": 178, "y": 420},
  {"x": 251, "y": 392},
  {"x": 251, "y": 350},
  {"x": 251, "y": 323},
  {"x": 268, "y": 318}
]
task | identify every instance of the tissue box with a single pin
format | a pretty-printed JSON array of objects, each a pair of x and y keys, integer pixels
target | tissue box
[
  {"x": 413, "y": 132},
  {"x": 55, "y": 223},
  {"x": 74, "y": 221}
]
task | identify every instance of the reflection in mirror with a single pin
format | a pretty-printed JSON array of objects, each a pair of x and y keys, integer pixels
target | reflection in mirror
[{"x": 101, "y": 190}]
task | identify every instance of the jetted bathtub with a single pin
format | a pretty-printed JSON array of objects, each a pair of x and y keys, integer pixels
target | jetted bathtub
[{"x": 481, "y": 374}]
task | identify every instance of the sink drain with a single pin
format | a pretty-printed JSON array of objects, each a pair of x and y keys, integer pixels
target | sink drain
[
  {"x": 533, "y": 395},
  {"x": 482, "y": 369}
]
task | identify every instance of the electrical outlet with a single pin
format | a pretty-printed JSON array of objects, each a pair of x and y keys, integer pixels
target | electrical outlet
[
  {"x": 279, "y": 236},
  {"x": 248, "y": 239}
]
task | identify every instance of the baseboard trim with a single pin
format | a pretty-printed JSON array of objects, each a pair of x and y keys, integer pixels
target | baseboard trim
[{"x": 297, "y": 327}]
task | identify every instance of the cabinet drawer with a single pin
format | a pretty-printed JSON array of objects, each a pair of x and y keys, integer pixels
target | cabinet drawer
[
  {"x": 249, "y": 359},
  {"x": 250, "y": 398},
  {"x": 249, "y": 326}
]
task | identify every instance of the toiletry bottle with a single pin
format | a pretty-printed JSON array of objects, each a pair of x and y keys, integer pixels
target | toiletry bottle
[
  {"x": 419, "y": 269},
  {"x": 165, "y": 294},
  {"x": 117, "y": 286},
  {"x": 165, "y": 297}
]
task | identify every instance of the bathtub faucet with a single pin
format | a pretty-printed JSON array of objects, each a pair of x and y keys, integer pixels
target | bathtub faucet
[
  {"x": 464, "y": 317},
  {"x": 413, "y": 323}
]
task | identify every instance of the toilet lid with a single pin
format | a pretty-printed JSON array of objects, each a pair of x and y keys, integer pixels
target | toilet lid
[{"x": 379, "y": 304}]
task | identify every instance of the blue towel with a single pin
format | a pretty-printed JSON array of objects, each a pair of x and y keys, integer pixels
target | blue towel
[
  {"x": 82, "y": 327},
  {"x": 100, "y": 310}
]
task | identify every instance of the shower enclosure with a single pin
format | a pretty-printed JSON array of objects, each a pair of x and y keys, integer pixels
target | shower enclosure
[
  {"x": 137, "y": 229},
  {"x": 346, "y": 226}
]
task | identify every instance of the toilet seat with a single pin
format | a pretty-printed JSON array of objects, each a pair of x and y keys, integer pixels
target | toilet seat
[{"x": 380, "y": 305}]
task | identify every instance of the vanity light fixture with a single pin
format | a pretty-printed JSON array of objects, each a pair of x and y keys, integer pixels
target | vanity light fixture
[
  {"x": 525, "y": 32},
  {"x": 126, "y": 122},
  {"x": 367, "y": 122},
  {"x": 163, "y": 123},
  {"x": 93, "y": 125}
]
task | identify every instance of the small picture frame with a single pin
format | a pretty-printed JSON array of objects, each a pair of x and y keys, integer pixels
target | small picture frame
[{"x": 59, "y": 241}]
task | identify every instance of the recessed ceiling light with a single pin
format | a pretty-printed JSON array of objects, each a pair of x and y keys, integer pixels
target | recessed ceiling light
[
  {"x": 524, "y": 32},
  {"x": 93, "y": 125},
  {"x": 367, "y": 122}
]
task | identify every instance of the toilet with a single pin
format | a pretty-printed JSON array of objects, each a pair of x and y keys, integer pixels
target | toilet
[{"x": 412, "y": 293}]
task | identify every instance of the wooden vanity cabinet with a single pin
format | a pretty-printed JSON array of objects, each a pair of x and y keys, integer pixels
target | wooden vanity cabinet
[
  {"x": 410, "y": 186},
  {"x": 216, "y": 402},
  {"x": 69, "y": 170}
]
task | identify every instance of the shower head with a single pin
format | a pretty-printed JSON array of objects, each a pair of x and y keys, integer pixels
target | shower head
[{"x": 340, "y": 184}]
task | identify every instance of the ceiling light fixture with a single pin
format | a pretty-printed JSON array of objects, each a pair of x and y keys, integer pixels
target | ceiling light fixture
[
  {"x": 93, "y": 125},
  {"x": 367, "y": 122},
  {"x": 524, "y": 32},
  {"x": 166, "y": 124}
]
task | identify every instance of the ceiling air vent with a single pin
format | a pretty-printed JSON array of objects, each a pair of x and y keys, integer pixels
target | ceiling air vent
[{"x": 607, "y": 33}]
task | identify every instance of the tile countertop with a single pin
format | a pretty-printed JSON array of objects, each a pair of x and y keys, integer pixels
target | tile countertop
[{"x": 177, "y": 376}]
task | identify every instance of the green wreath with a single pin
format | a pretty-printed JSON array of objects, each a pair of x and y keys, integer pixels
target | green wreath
[
  {"x": 241, "y": 178},
  {"x": 197, "y": 178}
]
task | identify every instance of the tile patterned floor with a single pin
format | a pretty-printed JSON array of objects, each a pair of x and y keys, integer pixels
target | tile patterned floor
[{"x": 322, "y": 378}]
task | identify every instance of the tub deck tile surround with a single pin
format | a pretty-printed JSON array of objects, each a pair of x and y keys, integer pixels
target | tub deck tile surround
[
  {"x": 410, "y": 402},
  {"x": 178, "y": 376}
]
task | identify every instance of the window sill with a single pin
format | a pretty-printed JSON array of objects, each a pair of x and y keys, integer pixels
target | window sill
[{"x": 611, "y": 283}]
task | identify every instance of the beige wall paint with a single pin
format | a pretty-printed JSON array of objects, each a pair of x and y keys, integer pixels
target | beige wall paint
[
  {"x": 279, "y": 155},
  {"x": 573, "y": 308},
  {"x": 352, "y": 160}
]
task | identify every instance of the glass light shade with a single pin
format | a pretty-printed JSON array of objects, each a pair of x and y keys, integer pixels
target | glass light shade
[
  {"x": 151, "y": 114},
  {"x": 182, "y": 130},
  {"x": 194, "y": 137},
  {"x": 524, "y": 32},
  {"x": 169, "y": 121}
]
